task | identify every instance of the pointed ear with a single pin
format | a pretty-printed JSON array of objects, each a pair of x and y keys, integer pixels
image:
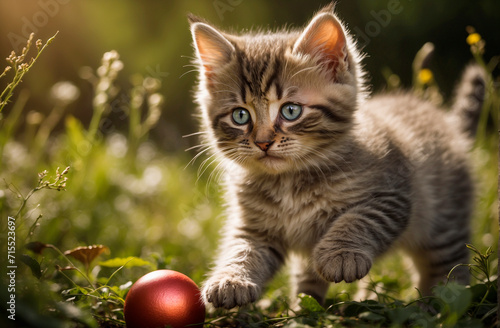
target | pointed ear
[
  {"x": 324, "y": 39},
  {"x": 212, "y": 48}
]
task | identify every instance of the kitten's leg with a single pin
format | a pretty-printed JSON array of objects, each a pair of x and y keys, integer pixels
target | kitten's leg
[
  {"x": 438, "y": 258},
  {"x": 357, "y": 236},
  {"x": 245, "y": 263},
  {"x": 304, "y": 279}
]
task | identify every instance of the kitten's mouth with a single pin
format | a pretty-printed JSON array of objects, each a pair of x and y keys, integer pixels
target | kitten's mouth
[
  {"x": 272, "y": 164},
  {"x": 269, "y": 157},
  {"x": 266, "y": 158}
]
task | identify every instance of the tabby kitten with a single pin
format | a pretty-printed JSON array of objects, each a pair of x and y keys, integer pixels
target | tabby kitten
[{"x": 320, "y": 175}]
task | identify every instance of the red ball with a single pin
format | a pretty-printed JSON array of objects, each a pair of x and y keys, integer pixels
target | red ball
[{"x": 161, "y": 298}]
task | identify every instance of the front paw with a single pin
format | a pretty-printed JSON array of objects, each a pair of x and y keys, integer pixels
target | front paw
[
  {"x": 338, "y": 266},
  {"x": 230, "y": 291}
]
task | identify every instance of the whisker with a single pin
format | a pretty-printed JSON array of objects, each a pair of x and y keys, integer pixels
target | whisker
[
  {"x": 218, "y": 156},
  {"x": 224, "y": 163},
  {"x": 303, "y": 70},
  {"x": 208, "y": 147},
  {"x": 197, "y": 146},
  {"x": 189, "y": 57},
  {"x": 203, "y": 166},
  {"x": 197, "y": 155},
  {"x": 220, "y": 152},
  {"x": 195, "y": 134},
  {"x": 190, "y": 71}
]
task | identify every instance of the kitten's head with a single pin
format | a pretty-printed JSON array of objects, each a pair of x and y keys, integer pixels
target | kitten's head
[{"x": 277, "y": 101}]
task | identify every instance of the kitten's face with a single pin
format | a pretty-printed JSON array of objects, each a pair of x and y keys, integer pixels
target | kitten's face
[{"x": 277, "y": 102}]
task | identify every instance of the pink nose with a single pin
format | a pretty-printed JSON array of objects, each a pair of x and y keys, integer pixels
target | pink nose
[{"x": 264, "y": 145}]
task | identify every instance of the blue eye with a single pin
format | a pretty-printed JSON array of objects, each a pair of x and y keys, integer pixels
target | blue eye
[
  {"x": 241, "y": 116},
  {"x": 291, "y": 111}
]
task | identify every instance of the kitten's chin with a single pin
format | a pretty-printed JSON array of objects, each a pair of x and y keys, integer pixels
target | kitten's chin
[{"x": 271, "y": 164}]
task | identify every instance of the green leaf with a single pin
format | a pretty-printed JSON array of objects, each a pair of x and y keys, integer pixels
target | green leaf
[
  {"x": 353, "y": 308},
  {"x": 403, "y": 314},
  {"x": 371, "y": 316},
  {"x": 457, "y": 298},
  {"x": 301, "y": 322},
  {"x": 127, "y": 262},
  {"x": 75, "y": 130},
  {"x": 478, "y": 292},
  {"x": 76, "y": 314},
  {"x": 469, "y": 323},
  {"x": 119, "y": 292},
  {"x": 310, "y": 304},
  {"x": 422, "y": 319},
  {"x": 33, "y": 265}
]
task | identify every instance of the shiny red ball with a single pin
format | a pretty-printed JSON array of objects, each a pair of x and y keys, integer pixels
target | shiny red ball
[{"x": 161, "y": 298}]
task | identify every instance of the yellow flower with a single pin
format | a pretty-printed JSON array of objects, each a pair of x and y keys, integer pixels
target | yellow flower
[
  {"x": 473, "y": 38},
  {"x": 425, "y": 76}
]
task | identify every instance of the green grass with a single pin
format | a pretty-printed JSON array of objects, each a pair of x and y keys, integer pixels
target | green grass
[{"x": 146, "y": 209}]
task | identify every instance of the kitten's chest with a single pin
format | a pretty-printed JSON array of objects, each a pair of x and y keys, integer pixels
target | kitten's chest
[{"x": 294, "y": 210}]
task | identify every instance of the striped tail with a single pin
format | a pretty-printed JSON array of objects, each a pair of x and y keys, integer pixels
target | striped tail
[{"x": 469, "y": 98}]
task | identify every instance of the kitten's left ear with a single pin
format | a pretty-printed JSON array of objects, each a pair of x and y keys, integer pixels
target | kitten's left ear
[
  {"x": 324, "y": 39},
  {"x": 212, "y": 47}
]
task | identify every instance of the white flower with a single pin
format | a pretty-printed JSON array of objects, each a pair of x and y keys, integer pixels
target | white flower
[
  {"x": 117, "y": 66},
  {"x": 64, "y": 93},
  {"x": 155, "y": 99},
  {"x": 151, "y": 84},
  {"x": 117, "y": 145},
  {"x": 110, "y": 56},
  {"x": 103, "y": 85},
  {"x": 100, "y": 99},
  {"x": 102, "y": 71}
]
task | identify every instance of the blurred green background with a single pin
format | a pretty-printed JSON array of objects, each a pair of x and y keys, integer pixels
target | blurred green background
[
  {"x": 153, "y": 38},
  {"x": 137, "y": 194}
]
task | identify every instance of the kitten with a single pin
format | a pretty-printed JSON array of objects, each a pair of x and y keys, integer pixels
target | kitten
[{"x": 315, "y": 170}]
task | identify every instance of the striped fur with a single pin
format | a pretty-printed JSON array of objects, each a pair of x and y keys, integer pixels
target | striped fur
[
  {"x": 469, "y": 98},
  {"x": 335, "y": 187}
]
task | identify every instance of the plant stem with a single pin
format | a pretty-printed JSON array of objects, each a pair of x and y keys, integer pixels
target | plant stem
[
  {"x": 19, "y": 73},
  {"x": 74, "y": 266},
  {"x": 94, "y": 123}
]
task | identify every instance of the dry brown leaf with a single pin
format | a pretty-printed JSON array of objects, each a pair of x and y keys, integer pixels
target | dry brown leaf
[{"x": 86, "y": 254}]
